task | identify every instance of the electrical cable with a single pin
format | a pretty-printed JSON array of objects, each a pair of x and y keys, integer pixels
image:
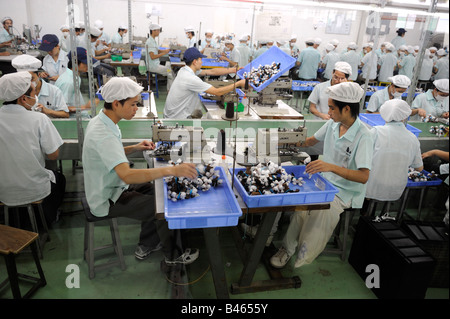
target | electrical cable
[{"x": 189, "y": 283}]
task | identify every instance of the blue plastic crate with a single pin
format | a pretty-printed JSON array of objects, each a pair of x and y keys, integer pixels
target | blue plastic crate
[
  {"x": 214, "y": 63},
  {"x": 309, "y": 193},
  {"x": 298, "y": 85},
  {"x": 434, "y": 182},
  {"x": 376, "y": 120},
  {"x": 144, "y": 95},
  {"x": 217, "y": 207},
  {"x": 274, "y": 54}
]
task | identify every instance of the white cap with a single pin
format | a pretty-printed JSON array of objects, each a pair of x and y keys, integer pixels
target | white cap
[
  {"x": 120, "y": 88},
  {"x": 228, "y": 41},
  {"x": 309, "y": 40},
  {"x": 244, "y": 37},
  {"x": 317, "y": 41},
  {"x": 329, "y": 47},
  {"x": 348, "y": 92},
  {"x": 6, "y": 18},
  {"x": 441, "y": 52},
  {"x": 343, "y": 67},
  {"x": 293, "y": 37},
  {"x": 79, "y": 25},
  {"x": 416, "y": 48},
  {"x": 209, "y": 31},
  {"x": 352, "y": 45},
  {"x": 96, "y": 32},
  {"x": 123, "y": 26},
  {"x": 64, "y": 27},
  {"x": 441, "y": 85},
  {"x": 14, "y": 85},
  {"x": 98, "y": 24},
  {"x": 25, "y": 62},
  {"x": 403, "y": 48},
  {"x": 155, "y": 26},
  {"x": 189, "y": 29},
  {"x": 334, "y": 42},
  {"x": 390, "y": 47},
  {"x": 410, "y": 49},
  {"x": 395, "y": 110},
  {"x": 433, "y": 48},
  {"x": 402, "y": 81}
]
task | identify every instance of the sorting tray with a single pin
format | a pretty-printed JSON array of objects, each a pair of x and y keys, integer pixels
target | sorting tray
[
  {"x": 376, "y": 120},
  {"x": 206, "y": 62},
  {"x": 434, "y": 182},
  {"x": 216, "y": 207},
  {"x": 309, "y": 193},
  {"x": 298, "y": 85},
  {"x": 274, "y": 54}
]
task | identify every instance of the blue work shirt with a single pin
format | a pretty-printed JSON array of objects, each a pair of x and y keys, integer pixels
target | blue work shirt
[{"x": 309, "y": 59}]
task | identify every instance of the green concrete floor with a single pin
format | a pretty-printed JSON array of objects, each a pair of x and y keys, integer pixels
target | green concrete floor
[{"x": 326, "y": 278}]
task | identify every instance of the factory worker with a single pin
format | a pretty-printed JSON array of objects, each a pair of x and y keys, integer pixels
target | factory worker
[
  {"x": 104, "y": 39},
  {"x": 235, "y": 56},
  {"x": 55, "y": 62},
  {"x": 440, "y": 69},
  {"x": 270, "y": 43},
  {"x": 433, "y": 51},
  {"x": 64, "y": 39},
  {"x": 352, "y": 58},
  {"x": 329, "y": 60},
  {"x": 65, "y": 83},
  {"x": 263, "y": 48},
  {"x": 126, "y": 192},
  {"x": 407, "y": 62},
  {"x": 317, "y": 42},
  {"x": 346, "y": 163},
  {"x": 27, "y": 139},
  {"x": 6, "y": 33},
  {"x": 81, "y": 37},
  {"x": 100, "y": 68},
  {"x": 308, "y": 62},
  {"x": 318, "y": 98},
  {"x": 400, "y": 84},
  {"x": 395, "y": 145},
  {"x": 183, "y": 98},
  {"x": 209, "y": 41},
  {"x": 50, "y": 98},
  {"x": 426, "y": 69},
  {"x": 387, "y": 63},
  {"x": 433, "y": 102},
  {"x": 153, "y": 53},
  {"x": 118, "y": 37},
  {"x": 400, "y": 38},
  {"x": 190, "y": 34},
  {"x": 369, "y": 63},
  {"x": 416, "y": 51},
  {"x": 244, "y": 51},
  {"x": 293, "y": 46},
  {"x": 381, "y": 51}
]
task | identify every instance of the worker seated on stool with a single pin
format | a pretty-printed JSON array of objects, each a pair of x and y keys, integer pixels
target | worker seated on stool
[
  {"x": 126, "y": 192},
  {"x": 395, "y": 150},
  {"x": 347, "y": 160},
  {"x": 400, "y": 84},
  {"x": 26, "y": 139}
]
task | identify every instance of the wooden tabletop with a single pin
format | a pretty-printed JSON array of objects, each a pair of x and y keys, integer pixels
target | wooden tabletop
[{"x": 14, "y": 240}]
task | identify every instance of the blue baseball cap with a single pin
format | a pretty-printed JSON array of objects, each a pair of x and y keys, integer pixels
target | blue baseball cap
[
  {"x": 191, "y": 54},
  {"x": 81, "y": 55},
  {"x": 49, "y": 41}
]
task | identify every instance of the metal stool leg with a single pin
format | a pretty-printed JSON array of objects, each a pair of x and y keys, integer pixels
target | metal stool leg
[{"x": 116, "y": 242}]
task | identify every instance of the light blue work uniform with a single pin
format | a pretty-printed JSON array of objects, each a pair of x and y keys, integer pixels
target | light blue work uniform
[
  {"x": 426, "y": 69},
  {"x": 370, "y": 61},
  {"x": 65, "y": 84},
  {"x": 407, "y": 66},
  {"x": 309, "y": 59},
  {"x": 427, "y": 102},
  {"x": 27, "y": 180},
  {"x": 55, "y": 68},
  {"x": 211, "y": 44},
  {"x": 393, "y": 144},
  {"x": 102, "y": 151},
  {"x": 82, "y": 41},
  {"x": 64, "y": 43},
  {"x": 193, "y": 42},
  {"x": 260, "y": 51},
  {"x": 52, "y": 98},
  {"x": 442, "y": 69},
  {"x": 319, "y": 97},
  {"x": 387, "y": 64},
  {"x": 5, "y": 36},
  {"x": 330, "y": 60},
  {"x": 398, "y": 41},
  {"x": 377, "y": 99},
  {"x": 154, "y": 65},
  {"x": 354, "y": 59},
  {"x": 353, "y": 150},
  {"x": 245, "y": 53},
  {"x": 183, "y": 98},
  {"x": 117, "y": 38}
]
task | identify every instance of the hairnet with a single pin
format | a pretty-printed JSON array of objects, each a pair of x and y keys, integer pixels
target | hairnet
[
  {"x": 334, "y": 42},
  {"x": 395, "y": 110},
  {"x": 64, "y": 27},
  {"x": 349, "y": 92},
  {"x": 189, "y": 29},
  {"x": 25, "y": 62},
  {"x": 14, "y": 85},
  {"x": 98, "y": 24},
  {"x": 390, "y": 47},
  {"x": 293, "y": 37},
  {"x": 441, "y": 85},
  {"x": 343, "y": 67},
  {"x": 243, "y": 38},
  {"x": 352, "y": 45},
  {"x": 6, "y": 18},
  {"x": 402, "y": 81},
  {"x": 329, "y": 47},
  {"x": 96, "y": 32},
  {"x": 441, "y": 52},
  {"x": 403, "y": 48},
  {"x": 317, "y": 41},
  {"x": 155, "y": 26},
  {"x": 120, "y": 88}
]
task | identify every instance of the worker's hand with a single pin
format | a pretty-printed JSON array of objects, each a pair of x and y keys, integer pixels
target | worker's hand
[
  {"x": 39, "y": 108},
  {"x": 145, "y": 145},
  {"x": 185, "y": 170},
  {"x": 445, "y": 115},
  {"x": 325, "y": 116},
  {"x": 428, "y": 154},
  {"x": 53, "y": 78},
  {"x": 240, "y": 83},
  {"x": 166, "y": 51},
  {"x": 43, "y": 74},
  {"x": 422, "y": 113},
  {"x": 318, "y": 166}
]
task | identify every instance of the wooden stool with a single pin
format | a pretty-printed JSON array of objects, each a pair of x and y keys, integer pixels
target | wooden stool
[
  {"x": 89, "y": 244},
  {"x": 42, "y": 237},
  {"x": 12, "y": 242},
  {"x": 341, "y": 245}
]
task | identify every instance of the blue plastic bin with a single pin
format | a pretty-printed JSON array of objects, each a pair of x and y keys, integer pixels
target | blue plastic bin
[
  {"x": 214, "y": 63},
  {"x": 298, "y": 85},
  {"x": 434, "y": 182},
  {"x": 376, "y": 120},
  {"x": 144, "y": 95},
  {"x": 309, "y": 193},
  {"x": 274, "y": 54},
  {"x": 217, "y": 207}
]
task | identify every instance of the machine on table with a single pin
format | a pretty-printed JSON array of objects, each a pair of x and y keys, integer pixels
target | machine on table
[{"x": 280, "y": 89}]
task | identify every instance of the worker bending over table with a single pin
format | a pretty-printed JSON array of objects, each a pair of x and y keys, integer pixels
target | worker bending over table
[
  {"x": 113, "y": 188},
  {"x": 347, "y": 160},
  {"x": 400, "y": 84}
]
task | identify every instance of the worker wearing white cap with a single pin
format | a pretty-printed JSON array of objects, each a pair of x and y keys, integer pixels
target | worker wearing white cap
[
  {"x": 308, "y": 62},
  {"x": 24, "y": 176},
  {"x": 6, "y": 32},
  {"x": 441, "y": 70},
  {"x": 387, "y": 63},
  {"x": 292, "y": 45},
  {"x": 262, "y": 48},
  {"x": 64, "y": 38},
  {"x": 400, "y": 84},
  {"x": 352, "y": 58},
  {"x": 346, "y": 163},
  {"x": 433, "y": 51},
  {"x": 433, "y": 102},
  {"x": 118, "y": 38},
  {"x": 81, "y": 36},
  {"x": 381, "y": 51},
  {"x": 369, "y": 63},
  {"x": 329, "y": 60},
  {"x": 319, "y": 97},
  {"x": 235, "y": 56},
  {"x": 105, "y": 39},
  {"x": 100, "y": 69},
  {"x": 317, "y": 42},
  {"x": 209, "y": 41},
  {"x": 50, "y": 98},
  {"x": 393, "y": 144},
  {"x": 153, "y": 53},
  {"x": 244, "y": 50},
  {"x": 190, "y": 34},
  {"x": 126, "y": 192},
  {"x": 426, "y": 69},
  {"x": 407, "y": 62}
]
